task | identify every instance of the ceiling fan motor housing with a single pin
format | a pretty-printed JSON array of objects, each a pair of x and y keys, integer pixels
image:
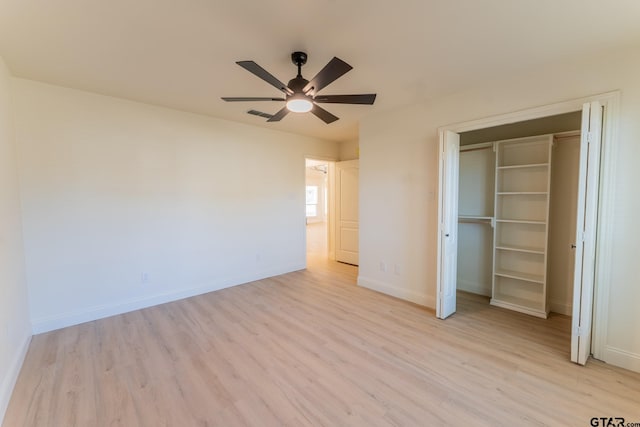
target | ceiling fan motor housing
[{"x": 297, "y": 84}]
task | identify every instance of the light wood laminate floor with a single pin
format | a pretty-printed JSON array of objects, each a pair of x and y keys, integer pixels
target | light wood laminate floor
[{"x": 311, "y": 348}]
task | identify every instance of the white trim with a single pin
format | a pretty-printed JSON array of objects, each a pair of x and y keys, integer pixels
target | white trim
[
  {"x": 622, "y": 358},
  {"x": 75, "y": 317},
  {"x": 331, "y": 215},
  {"x": 604, "y": 242},
  {"x": 530, "y": 114},
  {"x": 394, "y": 291},
  {"x": 9, "y": 382},
  {"x": 611, "y": 102}
]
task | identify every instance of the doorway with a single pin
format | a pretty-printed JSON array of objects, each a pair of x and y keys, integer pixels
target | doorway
[
  {"x": 332, "y": 216},
  {"x": 317, "y": 208},
  {"x": 597, "y": 116}
]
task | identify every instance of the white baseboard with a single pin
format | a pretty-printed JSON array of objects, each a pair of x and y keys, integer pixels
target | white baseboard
[
  {"x": 394, "y": 291},
  {"x": 621, "y": 358},
  {"x": 474, "y": 287},
  {"x": 58, "y": 321},
  {"x": 9, "y": 382},
  {"x": 561, "y": 308}
]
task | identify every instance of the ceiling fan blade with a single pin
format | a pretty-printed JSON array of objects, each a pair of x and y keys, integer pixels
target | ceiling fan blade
[
  {"x": 334, "y": 69},
  {"x": 240, "y": 99},
  {"x": 257, "y": 70},
  {"x": 367, "y": 99},
  {"x": 279, "y": 115},
  {"x": 323, "y": 114},
  {"x": 260, "y": 114}
]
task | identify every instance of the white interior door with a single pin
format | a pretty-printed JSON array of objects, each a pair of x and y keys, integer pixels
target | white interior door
[
  {"x": 449, "y": 164},
  {"x": 585, "y": 246},
  {"x": 347, "y": 224}
]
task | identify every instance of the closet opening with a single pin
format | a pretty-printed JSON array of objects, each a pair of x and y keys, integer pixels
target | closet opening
[
  {"x": 521, "y": 202},
  {"x": 517, "y": 200}
]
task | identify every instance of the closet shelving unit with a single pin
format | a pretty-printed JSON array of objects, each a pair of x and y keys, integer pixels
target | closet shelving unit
[{"x": 522, "y": 185}]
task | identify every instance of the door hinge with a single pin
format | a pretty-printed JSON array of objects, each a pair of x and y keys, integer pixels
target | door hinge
[
  {"x": 579, "y": 332},
  {"x": 589, "y": 137}
]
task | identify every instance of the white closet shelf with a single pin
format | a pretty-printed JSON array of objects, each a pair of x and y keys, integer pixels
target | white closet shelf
[
  {"x": 522, "y": 193},
  {"x": 528, "y": 250},
  {"x": 526, "y": 277},
  {"x": 521, "y": 221},
  {"x": 519, "y": 304},
  {"x": 475, "y": 217},
  {"x": 524, "y": 166}
]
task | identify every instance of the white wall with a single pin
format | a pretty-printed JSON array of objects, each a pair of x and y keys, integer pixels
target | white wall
[
  {"x": 475, "y": 257},
  {"x": 112, "y": 189},
  {"x": 15, "y": 329},
  {"x": 398, "y": 176},
  {"x": 349, "y": 150}
]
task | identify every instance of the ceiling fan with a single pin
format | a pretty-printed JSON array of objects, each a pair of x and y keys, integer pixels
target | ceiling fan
[{"x": 301, "y": 95}]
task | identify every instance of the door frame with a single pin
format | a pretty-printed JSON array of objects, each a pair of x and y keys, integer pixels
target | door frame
[{"x": 604, "y": 245}]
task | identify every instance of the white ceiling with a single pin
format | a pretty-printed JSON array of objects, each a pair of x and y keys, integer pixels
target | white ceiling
[{"x": 181, "y": 54}]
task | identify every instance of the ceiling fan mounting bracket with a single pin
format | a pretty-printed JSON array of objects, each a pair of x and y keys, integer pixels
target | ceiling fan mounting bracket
[{"x": 299, "y": 58}]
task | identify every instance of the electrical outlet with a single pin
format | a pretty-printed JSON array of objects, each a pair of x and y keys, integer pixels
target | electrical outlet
[
  {"x": 383, "y": 267},
  {"x": 144, "y": 277},
  {"x": 396, "y": 269}
]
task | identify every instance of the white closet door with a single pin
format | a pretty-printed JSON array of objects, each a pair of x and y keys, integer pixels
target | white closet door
[
  {"x": 586, "y": 232},
  {"x": 347, "y": 212},
  {"x": 448, "y": 222}
]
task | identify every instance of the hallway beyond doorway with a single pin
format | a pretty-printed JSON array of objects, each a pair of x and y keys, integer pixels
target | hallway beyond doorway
[{"x": 317, "y": 240}]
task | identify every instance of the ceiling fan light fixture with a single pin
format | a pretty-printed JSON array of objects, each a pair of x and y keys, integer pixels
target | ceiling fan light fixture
[{"x": 299, "y": 104}]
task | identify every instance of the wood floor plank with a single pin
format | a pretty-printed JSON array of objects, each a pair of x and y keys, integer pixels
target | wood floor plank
[{"x": 310, "y": 348}]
